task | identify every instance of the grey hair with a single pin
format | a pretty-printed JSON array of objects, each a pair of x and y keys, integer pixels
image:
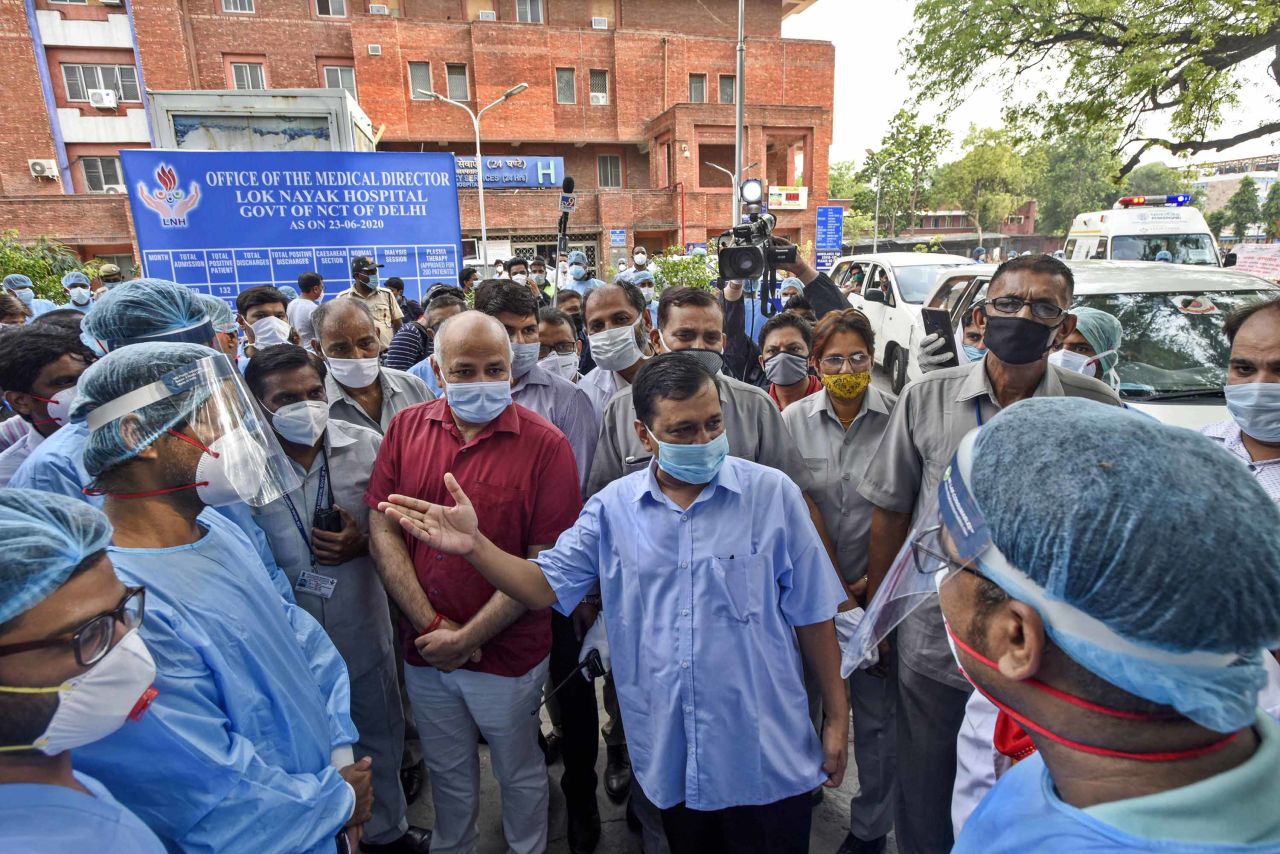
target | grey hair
[
  {"x": 438, "y": 353},
  {"x": 322, "y": 312}
]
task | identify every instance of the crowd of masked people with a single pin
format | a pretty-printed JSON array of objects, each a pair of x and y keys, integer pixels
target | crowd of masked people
[{"x": 263, "y": 565}]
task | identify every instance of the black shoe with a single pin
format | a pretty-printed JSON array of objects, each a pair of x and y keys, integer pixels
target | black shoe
[
  {"x": 854, "y": 845},
  {"x": 411, "y": 780},
  {"x": 416, "y": 840},
  {"x": 617, "y": 772},
  {"x": 584, "y": 833},
  {"x": 550, "y": 748},
  {"x": 816, "y": 796}
]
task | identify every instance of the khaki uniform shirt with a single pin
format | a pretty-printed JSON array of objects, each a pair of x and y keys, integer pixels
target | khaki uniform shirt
[{"x": 382, "y": 302}]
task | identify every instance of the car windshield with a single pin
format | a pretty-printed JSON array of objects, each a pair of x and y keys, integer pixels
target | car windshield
[
  {"x": 1173, "y": 345},
  {"x": 1184, "y": 248},
  {"x": 915, "y": 283}
]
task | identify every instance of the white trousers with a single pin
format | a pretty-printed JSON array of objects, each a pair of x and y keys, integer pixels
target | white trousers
[{"x": 451, "y": 710}]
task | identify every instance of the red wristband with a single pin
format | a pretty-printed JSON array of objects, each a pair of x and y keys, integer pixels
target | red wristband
[{"x": 434, "y": 624}]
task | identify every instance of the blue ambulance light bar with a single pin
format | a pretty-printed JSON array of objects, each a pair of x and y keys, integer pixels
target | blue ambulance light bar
[{"x": 1175, "y": 200}]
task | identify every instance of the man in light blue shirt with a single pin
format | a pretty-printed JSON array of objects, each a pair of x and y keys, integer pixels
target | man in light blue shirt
[{"x": 714, "y": 583}]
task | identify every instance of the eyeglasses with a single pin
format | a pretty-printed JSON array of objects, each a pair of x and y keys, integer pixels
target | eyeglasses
[
  {"x": 929, "y": 557},
  {"x": 1040, "y": 309},
  {"x": 834, "y": 364},
  {"x": 92, "y": 641},
  {"x": 564, "y": 348}
]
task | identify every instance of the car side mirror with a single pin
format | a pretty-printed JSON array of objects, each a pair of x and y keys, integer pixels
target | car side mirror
[{"x": 874, "y": 295}]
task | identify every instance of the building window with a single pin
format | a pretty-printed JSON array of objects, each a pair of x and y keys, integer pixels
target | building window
[
  {"x": 728, "y": 88},
  {"x": 121, "y": 79},
  {"x": 340, "y": 77},
  {"x": 419, "y": 80},
  {"x": 566, "y": 86},
  {"x": 102, "y": 174},
  {"x": 697, "y": 88},
  {"x": 529, "y": 11},
  {"x": 248, "y": 75},
  {"x": 458, "y": 89},
  {"x": 243, "y": 6},
  {"x": 331, "y": 9},
  {"x": 599, "y": 79},
  {"x": 610, "y": 168},
  {"x": 1016, "y": 219},
  {"x": 73, "y": 2}
]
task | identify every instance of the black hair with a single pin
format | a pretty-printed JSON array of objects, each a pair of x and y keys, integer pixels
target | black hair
[
  {"x": 798, "y": 303},
  {"x": 276, "y": 359},
  {"x": 633, "y": 294},
  {"x": 782, "y": 320},
  {"x": 394, "y": 282},
  {"x": 444, "y": 298},
  {"x": 556, "y": 317},
  {"x": 523, "y": 262},
  {"x": 1236, "y": 319},
  {"x": 24, "y": 352},
  {"x": 61, "y": 318},
  {"x": 509, "y": 297},
  {"x": 465, "y": 275},
  {"x": 309, "y": 282},
  {"x": 1045, "y": 265},
  {"x": 670, "y": 376},
  {"x": 261, "y": 295},
  {"x": 566, "y": 295},
  {"x": 538, "y": 259},
  {"x": 684, "y": 298},
  {"x": 482, "y": 291}
]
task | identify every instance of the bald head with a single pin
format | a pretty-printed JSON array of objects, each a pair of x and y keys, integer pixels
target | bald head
[{"x": 473, "y": 347}]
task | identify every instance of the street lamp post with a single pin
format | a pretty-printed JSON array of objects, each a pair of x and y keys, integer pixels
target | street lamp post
[
  {"x": 875, "y": 228},
  {"x": 475, "y": 123}
]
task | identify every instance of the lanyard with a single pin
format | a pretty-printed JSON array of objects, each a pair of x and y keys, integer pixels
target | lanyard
[
  {"x": 977, "y": 409},
  {"x": 297, "y": 519}
]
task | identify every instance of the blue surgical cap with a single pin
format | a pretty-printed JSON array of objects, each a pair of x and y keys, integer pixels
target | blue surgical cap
[
  {"x": 125, "y": 370},
  {"x": 1164, "y": 255},
  {"x": 288, "y": 291},
  {"x": 640, "y": 278},
  {"x": 219, "y": 313},
  {"x": 44, "y": 536},
  {"x": 1102, "y": 513},
  {"x": 75, "y": 279},
  {"x": 577, "y": 256},
  {"x": 791, "y": 282},
  {"x": 16, "y": 282},
  {"x": 147, "y": 309},
  {"x": 1102, "y": 331}
]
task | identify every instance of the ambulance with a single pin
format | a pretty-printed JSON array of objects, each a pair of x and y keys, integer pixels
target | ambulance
[{"x": 1144, "y": 228}]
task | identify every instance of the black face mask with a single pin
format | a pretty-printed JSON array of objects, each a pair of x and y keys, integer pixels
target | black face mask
[
  {"x": 578, "y": 321},
  {"x": 1017, "y": 340}
]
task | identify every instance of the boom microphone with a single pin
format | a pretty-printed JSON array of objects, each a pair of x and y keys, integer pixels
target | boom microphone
[{"x": 562, "y": 243}]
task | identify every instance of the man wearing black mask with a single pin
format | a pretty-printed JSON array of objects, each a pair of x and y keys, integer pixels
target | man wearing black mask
[{"x": 1022, "y": 317}]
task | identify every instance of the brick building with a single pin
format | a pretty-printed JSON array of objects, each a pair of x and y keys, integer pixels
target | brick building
[{"x": 636, "y": 95}]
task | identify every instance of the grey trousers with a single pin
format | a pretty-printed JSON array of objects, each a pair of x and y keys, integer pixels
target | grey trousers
[
  {"x": 379, "y": 718},
  {"x": 873, "y": 700},
  {"x": 929, "y": 717}
]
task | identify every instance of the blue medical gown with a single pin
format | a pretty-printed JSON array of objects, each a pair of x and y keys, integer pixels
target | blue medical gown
[
  {"x": 42, "y": 819},
  {"x": 234, "y": 753},
  {"x": 57, "y": 465}
]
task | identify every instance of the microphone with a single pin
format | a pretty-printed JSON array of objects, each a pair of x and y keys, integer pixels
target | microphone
[
  {"x": 594, "y": 667},
  {"x": 562, "y": 242}
]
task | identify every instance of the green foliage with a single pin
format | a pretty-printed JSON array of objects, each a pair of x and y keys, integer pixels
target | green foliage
[
  {"x": 1271, "y": 212},
  {"x": 42, "y": 260},
  {"x": 674, "y": 269},
  {"x": 1216, "y": 220},
  {"x": 843, "y": 183},
  {"x": 988, "y": 183},
  {"x": 1156, "y": 179},
  {"x": 1104, "y": 63},
  {"x": 908, "y": 154},
  {"x": 1072, "y": 175},
  {"x": 1243, "y": 208},
  {"x": 842, "y": 180}
]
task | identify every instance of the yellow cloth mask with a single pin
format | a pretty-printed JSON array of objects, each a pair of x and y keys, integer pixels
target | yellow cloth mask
[{"x": 846, "y": 386}]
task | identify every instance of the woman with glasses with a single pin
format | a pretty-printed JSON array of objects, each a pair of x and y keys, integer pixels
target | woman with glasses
[
  {"x": 73, "y": 669},
  {"x": 837, "y": 430}
]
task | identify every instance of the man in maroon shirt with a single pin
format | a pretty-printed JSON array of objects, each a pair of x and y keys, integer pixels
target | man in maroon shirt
[{"x": 475, "y": 660}]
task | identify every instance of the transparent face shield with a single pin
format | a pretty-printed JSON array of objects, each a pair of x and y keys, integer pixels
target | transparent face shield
[{"x": 241, "y": 459}]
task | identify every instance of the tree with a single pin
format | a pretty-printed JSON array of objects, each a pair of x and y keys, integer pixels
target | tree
[
  {"x": 988, "y": 183},
  {"x": 1271, "y": 212},
  {"x": 843, "y": 183},
  {"x": 42, "y": 260},
  {"x": 842, "y": 179},
  {"x": 1103, "y": 62},
  {"x": 1243, "y": 209},
  {"x": 1216, "y": 220},
  {"x": 1071, "y": 175},
  {"x": 1156, "y": 179},
  {"x": 907, "y": 157}
]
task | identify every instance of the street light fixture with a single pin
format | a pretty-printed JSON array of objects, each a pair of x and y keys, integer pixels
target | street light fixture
[
  {"x": 875, "y": 228},
  {"x": 475, "y": 123}
]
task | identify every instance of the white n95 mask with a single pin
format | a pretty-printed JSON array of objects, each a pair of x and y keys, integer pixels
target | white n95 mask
[
  {"x": 354, "y": 373},
  {"x": 566, "y": 364},
  {"x": 234, "y": 469},
  {"x": 269, "y": 331},
  {"x": 303, "y": 422}
]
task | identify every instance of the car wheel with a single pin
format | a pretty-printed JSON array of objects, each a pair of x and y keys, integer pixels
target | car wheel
[{"x": 897, "y": 369}]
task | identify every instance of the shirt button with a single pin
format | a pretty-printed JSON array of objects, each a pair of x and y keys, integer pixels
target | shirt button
[
  {"x": 684, "y": 564},
  {"x": 844, "y": 512},
  {"x": 684, "y": 518},
  {"x": 684, "y": 665},
  {"x": 688, "y": 710},
  {"x": 439, "y": 557},
  {"x": 685, "y": 612},
  {"x": 844, "y": 477}
]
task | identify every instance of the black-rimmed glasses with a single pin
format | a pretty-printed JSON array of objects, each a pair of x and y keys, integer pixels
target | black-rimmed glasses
[
  {"x": 1040, "y": 309},
  {"x": 92, "y": 641}
]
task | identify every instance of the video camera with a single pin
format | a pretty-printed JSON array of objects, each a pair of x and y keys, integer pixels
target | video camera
[{"x": 748, "y": 250}]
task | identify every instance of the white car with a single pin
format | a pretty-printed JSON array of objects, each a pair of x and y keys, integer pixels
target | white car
[
  {"x": 1173, "y": 354},
  {"x": 893, "y": 288}
]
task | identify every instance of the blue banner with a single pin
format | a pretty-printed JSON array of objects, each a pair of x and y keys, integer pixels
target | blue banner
[
  {"x": 830, "y": 227},
  {"x": 617, "y": 237},
  {"x": 826, "y": 259},
  {"x": 223, "y": 222},
  {"x": 512, "y": 172}
]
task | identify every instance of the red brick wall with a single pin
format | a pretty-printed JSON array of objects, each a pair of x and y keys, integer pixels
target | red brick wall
[{"x": 23, "y": 116}]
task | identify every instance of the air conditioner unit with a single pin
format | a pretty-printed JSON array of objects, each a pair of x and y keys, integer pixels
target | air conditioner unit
[
  {"x": 103, "y": 99},
  {"x": 43, "y": 168},
  {"x": 599, "y": 23},
  {"x": 113, "y": 189},
  {"x": 379, "y": 9},
  {"x": 375, "y": 50},
  {"x": 488, "y": 15},
  {"x": 599, "y": 99}
]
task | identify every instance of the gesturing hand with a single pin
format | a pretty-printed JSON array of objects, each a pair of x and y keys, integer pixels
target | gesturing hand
[{"x": 452, "y": 530}]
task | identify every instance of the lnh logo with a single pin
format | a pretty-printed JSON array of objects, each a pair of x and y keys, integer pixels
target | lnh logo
[{"x": 169, "y": 200}]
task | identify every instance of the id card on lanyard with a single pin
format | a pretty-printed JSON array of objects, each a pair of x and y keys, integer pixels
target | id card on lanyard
[{"x": 311, "y": 581}]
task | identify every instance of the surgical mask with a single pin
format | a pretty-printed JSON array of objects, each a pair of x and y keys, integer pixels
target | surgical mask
[
  {"x": 303, "y": 422},
  {"x": 563, "y": 266},
  {"x": 1017, "y": 340},
  {"x": 269, "y": 331},
  {"x": 80, "y": 296},
  {"x": 710, "y": 359},
  {"x": 478, "y": 403},
  {"x": 846, "y": 386},
  {"x": 692, "y": 463},
  {"x": 1069, "y": 360},
  {"x": 524, "y": 357},
  {"x": 26, "y": 295},
  {"x": 975, "y": 354},
  {"x": 564, "y": 364},
  {"x": 616, "y": 349},
  {"x": 231, "y": 470},
  {"x": 354, "y": 373},
  {"x": 648, "y": 294},
  {"x": 538, "y": 279},
  {"x": 520, "y": 278},
  {"x": 1256, "y": 408},
  {"x": 786, "y": 369},
  {"x": 640, "y": 258},
  {"x": 578, "y": 271},
  {"x": 96, "y": 703}
]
